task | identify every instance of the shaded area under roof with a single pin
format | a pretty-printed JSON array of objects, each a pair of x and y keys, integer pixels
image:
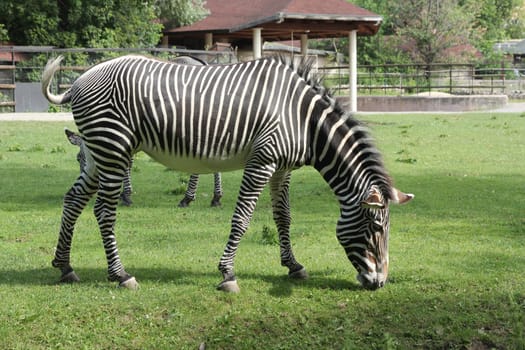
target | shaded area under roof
[{"x": 280, "y": 19}]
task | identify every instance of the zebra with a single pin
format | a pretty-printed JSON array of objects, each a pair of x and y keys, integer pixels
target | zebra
[
  {"x": 267, "y": 116},
  {"x": 127, "y": 189},
  {"x": 191, "y": 190}
]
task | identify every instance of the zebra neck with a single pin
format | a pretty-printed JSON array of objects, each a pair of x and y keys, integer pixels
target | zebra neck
[{"x": 345, "y": 155}]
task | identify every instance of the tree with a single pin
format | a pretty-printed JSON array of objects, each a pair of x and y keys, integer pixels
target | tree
[
  {"x": 177, "y": 13},
  {"x": 428, "y": 29},
  {"x": 372, "y": 50},
  {"x": 94, "y": 23},
  {"x": 29, "y": 22},
  {"x": 102, "y": 23},
  {"x": 3, "y": 34},
  {"x": 515, "y": 25},
  {"x": 378, "y": 49}
]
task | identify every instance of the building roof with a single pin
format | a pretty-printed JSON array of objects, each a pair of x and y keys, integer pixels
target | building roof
[{"x": 281, "y": 19}]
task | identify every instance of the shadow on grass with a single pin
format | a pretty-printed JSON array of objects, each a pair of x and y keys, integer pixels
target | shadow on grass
[{"x": 281, "y": 285}]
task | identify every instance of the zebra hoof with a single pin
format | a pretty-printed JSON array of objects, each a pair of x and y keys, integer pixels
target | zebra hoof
[
  {"x": 229, "y": 286},
  {"x": 70, "y": 277},
  {"x": 300, "y": 274},
  {"x": 126, "y": 201},
  {"x": 130, "y": 283},
  {"x": 185, "y": 202}
]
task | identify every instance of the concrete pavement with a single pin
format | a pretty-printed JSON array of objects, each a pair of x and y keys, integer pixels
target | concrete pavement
[
  {"x": 512, "y": 107},
  {"x": 47, "y": 117}
]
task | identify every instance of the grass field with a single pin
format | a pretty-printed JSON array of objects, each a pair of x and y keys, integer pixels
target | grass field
[{"x": 457, "y": 252}]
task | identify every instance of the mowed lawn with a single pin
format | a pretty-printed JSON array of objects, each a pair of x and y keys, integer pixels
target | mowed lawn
[{"x": 457, "y": 252}]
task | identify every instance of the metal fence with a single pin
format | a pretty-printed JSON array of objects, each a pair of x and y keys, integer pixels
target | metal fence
[
  {"x": 455, "y": 79},
  {"x": 21, "y": 70},
  {"x": 21, "y": 67}
]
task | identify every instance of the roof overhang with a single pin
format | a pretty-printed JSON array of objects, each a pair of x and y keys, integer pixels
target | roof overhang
[{"x": 282, "y": 25}]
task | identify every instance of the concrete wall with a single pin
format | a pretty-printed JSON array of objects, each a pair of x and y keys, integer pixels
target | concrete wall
[
  {"x": 420, "y": 103},
  {"x": 29, "y": 98}
]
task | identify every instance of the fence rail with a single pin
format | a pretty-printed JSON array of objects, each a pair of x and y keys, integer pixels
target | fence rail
[
  {"x": 27, "y": 64},
  {"x": 22, "y": 64},
  {"x": 414, "y": 79}
]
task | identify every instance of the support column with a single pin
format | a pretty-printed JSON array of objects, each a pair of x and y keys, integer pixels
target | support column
[
  {"x": 208, "y": 41},
  {"x": 304, "y": 44},
  {"x": 256, "y": 43},
  {"x": 352, "y": 54}
]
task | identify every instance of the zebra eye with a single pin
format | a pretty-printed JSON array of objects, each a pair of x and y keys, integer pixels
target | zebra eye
[{"x": 377, "y": 226}]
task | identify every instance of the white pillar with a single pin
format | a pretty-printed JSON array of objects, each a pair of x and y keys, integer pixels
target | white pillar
[
  {"x": 304, "y": 44},
  {"x": 208, "y": 41},
  {"x": 352, "y": 53},
  {"x": 256, "y": 43}
]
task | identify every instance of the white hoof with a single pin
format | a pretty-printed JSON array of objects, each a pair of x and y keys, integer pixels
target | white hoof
[
  {"x": 229, "y": 287},
  {"x": 299, "y": 274},
  {"x": 130, "y": 284}
]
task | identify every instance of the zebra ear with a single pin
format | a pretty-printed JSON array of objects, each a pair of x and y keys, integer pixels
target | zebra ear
[
  {"x": 401, "y": 197},
  {"x": 374, "y": 199},
  {"x": 73, "y": 138}
]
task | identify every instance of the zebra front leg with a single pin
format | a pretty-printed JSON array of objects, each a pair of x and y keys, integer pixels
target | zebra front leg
[
  {"x": 189, "y": 196},
  {"x": 105, "y": 212},
  {"x": 217, "y": 190},
  {"x": 279, "y": 189},
  {"x": 253, "y": 181},
  {"x": 75, "y": 201}
]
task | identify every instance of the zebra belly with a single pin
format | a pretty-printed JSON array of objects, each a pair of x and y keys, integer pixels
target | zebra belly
[{"x": 199, "y": 165}]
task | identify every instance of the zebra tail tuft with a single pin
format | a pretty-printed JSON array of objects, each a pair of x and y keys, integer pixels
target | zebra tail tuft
[{"x": 51, "y": 67}]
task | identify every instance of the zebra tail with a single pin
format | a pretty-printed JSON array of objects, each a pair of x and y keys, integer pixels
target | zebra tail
[{"x": 51, "y": 67}]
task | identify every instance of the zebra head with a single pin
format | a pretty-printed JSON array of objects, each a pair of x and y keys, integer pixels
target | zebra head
[
  {"x": 364, "y": 234},
  {"x": 344, "y": 153}
]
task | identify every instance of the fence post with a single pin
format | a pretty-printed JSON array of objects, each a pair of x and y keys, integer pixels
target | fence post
[
  {"x": 352, "y": 48},
  {"x": 450, "y": 80}
]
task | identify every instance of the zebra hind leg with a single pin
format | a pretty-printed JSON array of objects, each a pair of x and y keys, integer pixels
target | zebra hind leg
[
  {"x": 189, "y": 196},
  {"x": 217, "y": 190},
  {"x": 75, "y": 201},
  {"x": 105, "y": 211},
  {"x": 127, "y": 189},
  {"x": 279, "y": 188}
]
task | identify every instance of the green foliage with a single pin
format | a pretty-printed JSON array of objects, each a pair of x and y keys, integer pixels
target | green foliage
[
  {"x": 456, "y": 252},
  {"x": 93, "y": 23},
  {"x": 427, "y": 29},
  {"x": 4, "y": 36},
  {"x": 423, "y": 31},
  {"x": 176, "y": 13},
  {"x": 81, "y": 23}
]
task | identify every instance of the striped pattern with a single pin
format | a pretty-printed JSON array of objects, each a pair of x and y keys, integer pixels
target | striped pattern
[
  {"x": 263, "y": 116},
  {"x": 127, "y": 188}
]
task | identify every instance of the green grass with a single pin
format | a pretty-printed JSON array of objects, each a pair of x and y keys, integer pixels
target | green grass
[{"x": 457, "y": 251}]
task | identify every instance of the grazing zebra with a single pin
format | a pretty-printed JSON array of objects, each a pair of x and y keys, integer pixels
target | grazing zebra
[
  {"x": 264, "y": 116},
  {"x": 127, "y": 189}
]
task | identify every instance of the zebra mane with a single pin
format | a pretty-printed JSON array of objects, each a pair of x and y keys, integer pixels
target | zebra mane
[{"x": 304, "y": 69}]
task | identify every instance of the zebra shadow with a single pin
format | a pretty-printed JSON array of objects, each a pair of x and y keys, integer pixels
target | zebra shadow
[
  {"x": 279, "y": 285},
  {"x": 283, "y": 286}
]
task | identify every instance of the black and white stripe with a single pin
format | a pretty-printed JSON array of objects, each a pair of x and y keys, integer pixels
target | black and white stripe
[
  {"x": 127, "y": 188},
  {"x": 263, "y": 116}
]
